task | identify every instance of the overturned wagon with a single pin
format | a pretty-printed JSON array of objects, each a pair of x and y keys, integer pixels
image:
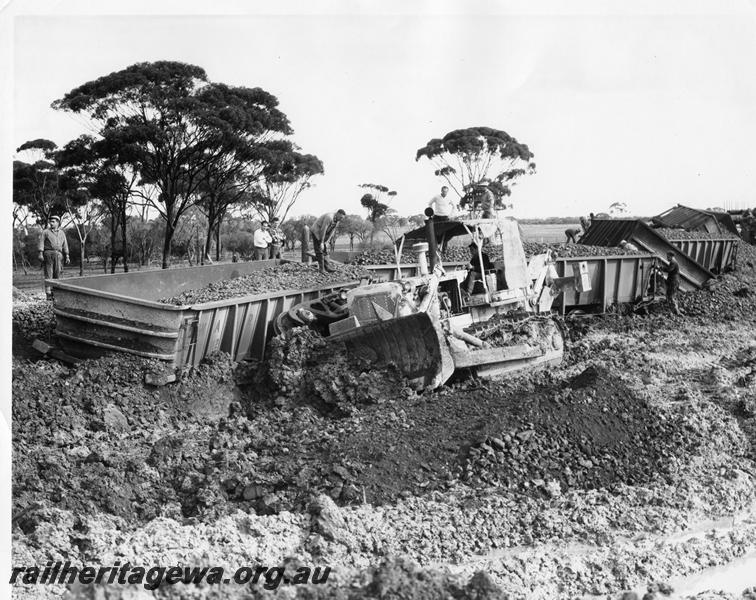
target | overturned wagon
[{"x": 121, "y": 312}]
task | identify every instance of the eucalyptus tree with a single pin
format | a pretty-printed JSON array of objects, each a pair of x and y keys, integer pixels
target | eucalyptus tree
[
  {"x": 476, "y": 157},
  {"x": 373, "y": 200},
  {"x": 285, "y": 174},
  {"x": 174, "y": 127},
  {"x": 107, "y": 175},
  {"x": 39, "y": 186}
]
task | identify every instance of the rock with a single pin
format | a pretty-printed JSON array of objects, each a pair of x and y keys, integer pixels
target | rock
[
  {"x": 665, "y": 588},
  {"x": 629, "y": 596},
  {"x": 525, "y": 435},
  {"x": 326, "y": 518},
  {"x": 252, "y": 492},
  {"x": 342, "y": 472},
  {"x": 481, "y": 585},
  {"x": 498, "y": 444},
  {"x": 747, "y": 407},
  {"x": 268, "y": 504},
  {"x": 114, "y": 419}
]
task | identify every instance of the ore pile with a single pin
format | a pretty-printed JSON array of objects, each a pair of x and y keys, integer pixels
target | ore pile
[
  {"x": 287, "y": 276},
  {"x": 671, "y": 233},
  {"x": 462, "y": 253},
  {"x": 577, "y": 250},
  {"x": 33, "y": 318},
  {"x": 387, "y": 257},
  {"x": 730, "y": 297},
  {"x": 593, "y": 433}
]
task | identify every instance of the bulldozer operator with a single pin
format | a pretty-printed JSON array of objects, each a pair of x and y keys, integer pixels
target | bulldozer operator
[{"x": 479, "y": 264}]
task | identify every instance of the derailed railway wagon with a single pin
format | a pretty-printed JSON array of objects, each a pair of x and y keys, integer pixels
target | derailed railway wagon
[{"x": 120, "y": 312}]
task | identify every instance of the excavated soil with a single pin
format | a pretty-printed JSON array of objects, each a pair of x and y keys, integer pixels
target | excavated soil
[{"x": 559, "y": 484}]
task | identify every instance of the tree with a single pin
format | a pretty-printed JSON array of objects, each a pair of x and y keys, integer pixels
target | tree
[
  {"x": 468, "y": 159},
  {"x": 284, "y": 176},
  {"x": 172, "y": 125},
  {"x": 39, "y": 186},
  {"x": 393, "y": 226},
  {"x": 253, "y": 141},
  {"x": 293, "y": 229},
  {"x": 85, "y": 213},
  {"x": 372, "y": 201},
  {"x": 145, "y": 236},
  {"x": 355, "y": 227},
  {"x": 217, "y": 196},
  {"x": 416, "y": 221},
  {"x": 107, "y": 176}
]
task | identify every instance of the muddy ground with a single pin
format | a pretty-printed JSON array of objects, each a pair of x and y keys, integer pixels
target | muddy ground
[{"x": 627, "y": 470}]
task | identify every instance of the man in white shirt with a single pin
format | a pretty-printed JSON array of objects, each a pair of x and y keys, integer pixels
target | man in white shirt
[
  {"x": 442, "y": 205},
  {"x": 262, "y": 240}
]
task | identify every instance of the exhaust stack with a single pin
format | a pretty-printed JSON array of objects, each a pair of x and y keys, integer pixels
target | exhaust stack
[
  {"x": 430, "y": 235},
  {"x": 421, "y": 253}
]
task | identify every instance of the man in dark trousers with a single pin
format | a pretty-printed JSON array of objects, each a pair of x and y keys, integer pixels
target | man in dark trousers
[
  {"x": 321, "y": 233},
  {"x": 672, "y": 269},
  {"x": 572, "y": 234},
  {"x": 477, "y": 269},
  {"x": 277, "y": 238},
  {"x": 53, "y": 251}
]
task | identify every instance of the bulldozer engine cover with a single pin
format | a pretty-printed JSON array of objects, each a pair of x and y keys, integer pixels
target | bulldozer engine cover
[{"x": 413, "y": 344}]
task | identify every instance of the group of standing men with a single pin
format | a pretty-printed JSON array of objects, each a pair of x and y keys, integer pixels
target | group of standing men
[{"x": 268, "y": 240}]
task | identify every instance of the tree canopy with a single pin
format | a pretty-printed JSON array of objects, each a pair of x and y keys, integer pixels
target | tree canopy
[
  {"x": 41, "y": 187},
  {"x": 285, "y": 174},
  {"x": 372, "y": 200},
  {"x": 178, "y": 130},
  {"x": 478, "y": 156}
]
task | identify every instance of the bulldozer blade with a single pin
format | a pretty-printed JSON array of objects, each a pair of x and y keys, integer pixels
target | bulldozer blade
[{"x": 414, "y": 344}]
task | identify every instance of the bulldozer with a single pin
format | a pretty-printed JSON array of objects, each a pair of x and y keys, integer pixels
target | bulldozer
[{"x": 428, "y": 326}]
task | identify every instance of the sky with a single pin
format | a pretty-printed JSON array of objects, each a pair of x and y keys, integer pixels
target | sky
[{"x": 647, "y": 108}]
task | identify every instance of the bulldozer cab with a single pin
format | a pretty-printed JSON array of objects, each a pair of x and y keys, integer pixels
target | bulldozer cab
[{"x": 509, "y": 283}]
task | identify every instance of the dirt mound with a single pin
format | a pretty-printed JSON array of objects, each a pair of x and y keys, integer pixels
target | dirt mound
[
  {"x": 304, "y": 367},
  {"x": 592, "y": 433},
  {"x": 287, "y": 276},
  {"x": 398, "y": 578},
  {"x": 110, "y": 443},
  {"x": 730, "y": 297},
  {"x": 85, "y": 438}
]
